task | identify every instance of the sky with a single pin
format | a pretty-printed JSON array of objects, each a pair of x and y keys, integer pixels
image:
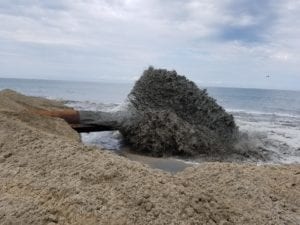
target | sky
[{"x": 230, "y": 43}]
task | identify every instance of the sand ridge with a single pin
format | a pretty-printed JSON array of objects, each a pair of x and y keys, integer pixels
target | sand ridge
[{"x": 47, "y": 176}]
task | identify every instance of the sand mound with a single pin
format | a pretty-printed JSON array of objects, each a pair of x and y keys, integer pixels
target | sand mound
[{"x": 48, "y": 177}]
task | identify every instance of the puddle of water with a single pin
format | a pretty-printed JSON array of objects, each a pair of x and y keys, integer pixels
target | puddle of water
[{"x": 169, "y": 164}]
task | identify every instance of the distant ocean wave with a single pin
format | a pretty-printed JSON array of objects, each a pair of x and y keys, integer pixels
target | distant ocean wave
[
  {"x": 87, "y": 105},
  {"x": 261, "y": 113}
]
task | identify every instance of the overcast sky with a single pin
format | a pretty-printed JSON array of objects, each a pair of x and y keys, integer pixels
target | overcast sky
[{"x": 213, "y": 42}]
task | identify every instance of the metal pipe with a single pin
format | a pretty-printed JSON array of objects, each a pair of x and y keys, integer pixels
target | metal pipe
[{"x": 82, "y": 121}]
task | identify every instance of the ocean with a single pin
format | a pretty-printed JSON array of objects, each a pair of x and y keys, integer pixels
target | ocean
[{"x": 271, "y": 118}]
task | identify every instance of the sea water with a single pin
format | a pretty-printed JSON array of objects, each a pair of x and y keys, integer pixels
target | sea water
[{"x": 270, "y": 117}]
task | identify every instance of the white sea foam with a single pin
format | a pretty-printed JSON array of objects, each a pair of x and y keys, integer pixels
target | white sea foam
[
  {"x": 278, "y": 135},
  {"x": 111, "y": 140}
]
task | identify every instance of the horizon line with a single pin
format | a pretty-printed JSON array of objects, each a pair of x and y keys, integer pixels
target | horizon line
[{"x": 133, "y": 81}]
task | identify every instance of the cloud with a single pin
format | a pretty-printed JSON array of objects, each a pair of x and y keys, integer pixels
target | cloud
[
  {"x": 246, "y": 21},
  {"x": 119, "y": 38}
]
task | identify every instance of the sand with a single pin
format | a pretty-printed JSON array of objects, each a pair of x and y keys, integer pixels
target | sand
[{"x": 47, "y": 176}]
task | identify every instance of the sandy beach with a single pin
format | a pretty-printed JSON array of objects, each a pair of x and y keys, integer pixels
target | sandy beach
[{"x": 47, "y": 176}]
